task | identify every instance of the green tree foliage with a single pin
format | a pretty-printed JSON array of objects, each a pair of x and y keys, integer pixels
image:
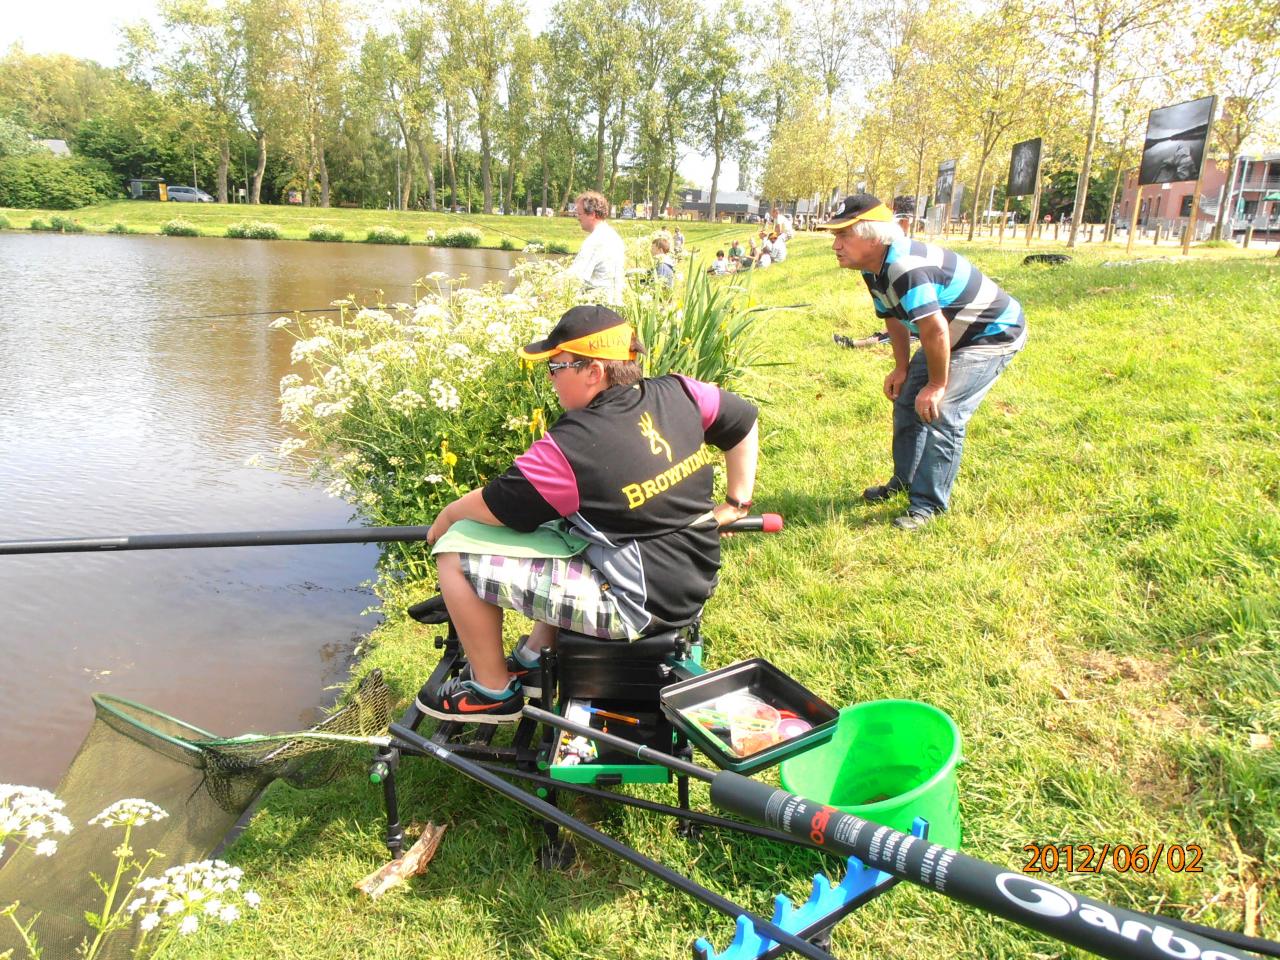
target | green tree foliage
[{"x": 41, "y": 180}]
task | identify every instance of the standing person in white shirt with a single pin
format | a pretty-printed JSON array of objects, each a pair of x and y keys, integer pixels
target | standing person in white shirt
[{"x": 601, "y": 263}]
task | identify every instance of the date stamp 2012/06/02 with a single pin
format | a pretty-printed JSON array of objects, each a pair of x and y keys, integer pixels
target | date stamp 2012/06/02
[{"x": 1116, "y": 857}]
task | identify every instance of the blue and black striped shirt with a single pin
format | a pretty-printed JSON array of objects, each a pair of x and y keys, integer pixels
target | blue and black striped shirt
[{"x": 918, "y": 279}]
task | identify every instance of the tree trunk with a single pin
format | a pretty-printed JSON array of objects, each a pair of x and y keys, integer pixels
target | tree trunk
[
  {"x": 261, "y": 168},
  {"x": 1109, "y": 231},
  {"x": 568, "y": 187},
  {"x": 544, "y": 177},
  {"x": 324, "y": 177},
  {"x": 448, "y": 153},
  {"x": 406, "y": 187},
  {"x": 1226, "y": 195},
  {"x": 977, "y": 197},
  {"x": 671, "y": 180},
  {"x": 424, "y": 154},
  {"x": 224, "y": 161},
  {"x": 486, "y": 180},
  {"x": 1082, "y": 188},
  {"x": 915, "y": 197},
  {"x": 715, "y": 184},
  {"x": 600, "y": 150}
]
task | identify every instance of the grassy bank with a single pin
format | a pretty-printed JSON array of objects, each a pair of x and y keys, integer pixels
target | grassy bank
[
  {"x": 1098, "y": 614},
  {"x": 295, "y": 223}
]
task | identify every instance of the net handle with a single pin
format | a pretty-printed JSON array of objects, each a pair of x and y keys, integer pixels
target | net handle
[{"x": 108, "y": 703}]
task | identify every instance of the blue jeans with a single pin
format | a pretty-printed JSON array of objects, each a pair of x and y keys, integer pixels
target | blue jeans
[{"x": 926, "y": 456}]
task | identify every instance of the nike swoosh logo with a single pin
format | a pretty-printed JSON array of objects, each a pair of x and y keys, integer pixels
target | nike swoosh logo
[{"x": 468, "y": 708}]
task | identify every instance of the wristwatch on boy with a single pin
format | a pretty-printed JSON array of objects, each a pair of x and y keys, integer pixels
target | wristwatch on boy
[{"x": 740, "y": 504}]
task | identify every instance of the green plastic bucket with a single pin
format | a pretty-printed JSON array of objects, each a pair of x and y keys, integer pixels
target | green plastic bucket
[{"x": 889, "y": 762}]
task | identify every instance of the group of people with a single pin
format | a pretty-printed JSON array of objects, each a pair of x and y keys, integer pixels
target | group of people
[
  {"x": 625, "y": 475},
  {"x": 761, "y": 251}
]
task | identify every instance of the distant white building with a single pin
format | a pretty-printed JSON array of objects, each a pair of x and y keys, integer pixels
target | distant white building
[{"x": 58, "y": 148}]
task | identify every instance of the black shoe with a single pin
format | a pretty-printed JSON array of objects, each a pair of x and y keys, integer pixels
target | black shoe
[
  {"x": 530, "y": 677},
  {"x": 463, "y": 703},
  {"x": 912, "y": 521},
  {"x": 880, "y": 494}
]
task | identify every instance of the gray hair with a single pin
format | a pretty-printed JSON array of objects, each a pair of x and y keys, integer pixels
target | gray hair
[{"x": 879, "y": 230}]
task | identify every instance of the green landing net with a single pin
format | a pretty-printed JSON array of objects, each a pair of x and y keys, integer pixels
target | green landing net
[{"x": 205, "y": 783}]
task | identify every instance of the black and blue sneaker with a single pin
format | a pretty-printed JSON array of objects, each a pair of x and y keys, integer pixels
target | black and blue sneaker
[
  {"x": 530, "y": 677},
  {"x": 463, "y": 701}
]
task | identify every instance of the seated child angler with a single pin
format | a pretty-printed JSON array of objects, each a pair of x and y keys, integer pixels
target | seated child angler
[{"x": 627, "y": 469}]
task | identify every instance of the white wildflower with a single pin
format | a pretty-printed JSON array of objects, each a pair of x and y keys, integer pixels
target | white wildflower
[
  {"x": 280, "y": 322},
  {"x": 149, "y": 922},
  {"x": 336, "y": 380},
  {"x": 444, "y": 395},
  {"x": 290, "y": 380},
  {"x": 338, "y": 407},
  {"x": 29, "y": 813},
  {"x": 229, "y": 913},
  {"x": 190, "y": 924},
  {"x": 516, "y": 423},
  {"x": 338, "y": 488},
  {"x": 457, "y": 351},
  {"x": 305, "y": 348},
  {"x": 433, "y": 478},
  {"x": 130, "y": 812},
  {"x": 296, "y": 401},
  {"x": 137, "y": 905},
  {"x": 289, "y": 446},
  {"x": 406, "y": 401}
]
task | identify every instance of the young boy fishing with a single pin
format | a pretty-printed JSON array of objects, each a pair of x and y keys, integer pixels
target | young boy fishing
[{"x": 628, "y": 470}]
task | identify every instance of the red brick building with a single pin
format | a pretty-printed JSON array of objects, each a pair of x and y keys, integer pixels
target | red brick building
[{"x": 1246, "y": 193}]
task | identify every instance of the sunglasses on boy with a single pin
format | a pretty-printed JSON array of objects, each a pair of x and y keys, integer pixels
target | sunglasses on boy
[{"x": 553, "y": 368}]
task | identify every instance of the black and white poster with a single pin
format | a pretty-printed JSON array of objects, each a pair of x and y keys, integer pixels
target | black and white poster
[
  {"x": 945, "y": 182},
  {"x": 1024, "y": 162},
  {"x": 1176, "y": 137}
]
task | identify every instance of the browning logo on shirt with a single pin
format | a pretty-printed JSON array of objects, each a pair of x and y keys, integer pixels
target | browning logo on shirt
[
  {"x": 638, "y": 493},
  {"x": 656, "y": 444}
]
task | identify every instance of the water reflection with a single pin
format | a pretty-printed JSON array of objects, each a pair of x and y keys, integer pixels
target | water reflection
[{"x": 126, "y": 408}]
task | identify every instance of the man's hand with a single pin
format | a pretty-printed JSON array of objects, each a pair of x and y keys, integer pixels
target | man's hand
[
  {"x": 894, "y": 381},
  {"x": 929, "y": 402}
]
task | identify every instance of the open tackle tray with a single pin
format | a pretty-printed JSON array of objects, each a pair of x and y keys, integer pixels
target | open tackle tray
[{"x": 748, "y": 715}]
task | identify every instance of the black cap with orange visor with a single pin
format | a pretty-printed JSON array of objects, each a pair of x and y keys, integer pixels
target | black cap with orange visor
[{"x": 587, "y": 331}]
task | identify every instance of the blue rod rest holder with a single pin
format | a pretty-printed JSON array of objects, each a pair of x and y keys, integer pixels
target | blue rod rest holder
[{"x": 826, "y": 905}]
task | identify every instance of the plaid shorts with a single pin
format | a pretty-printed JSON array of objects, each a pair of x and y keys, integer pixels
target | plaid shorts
[{"x": 562, "y": 592}]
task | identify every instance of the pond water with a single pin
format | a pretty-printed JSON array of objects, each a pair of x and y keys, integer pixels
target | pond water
[{"x": 130, "y": 400}]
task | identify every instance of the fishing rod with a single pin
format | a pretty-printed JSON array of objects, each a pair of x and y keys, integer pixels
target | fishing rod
[
  {"x": 766, "y": 522},
  {"x": 1099, "y": 927}
]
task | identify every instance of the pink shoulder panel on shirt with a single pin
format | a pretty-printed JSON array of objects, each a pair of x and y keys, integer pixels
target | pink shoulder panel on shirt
[
  {"x": 707, "y": 396},
  {"x": 545, "y": 467}
]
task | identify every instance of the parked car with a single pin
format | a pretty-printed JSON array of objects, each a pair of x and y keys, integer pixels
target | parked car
[{"x": 189, "y": 195}]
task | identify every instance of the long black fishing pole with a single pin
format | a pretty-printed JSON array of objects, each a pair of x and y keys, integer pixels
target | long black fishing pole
[
  {"x": 767, "y": 522},
  {"x": 419, "y": 744},
  {"x": 1081, "y": 921}
]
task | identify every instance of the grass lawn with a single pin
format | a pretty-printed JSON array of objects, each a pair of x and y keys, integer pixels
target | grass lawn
[{"x": 1098, "y": 614}]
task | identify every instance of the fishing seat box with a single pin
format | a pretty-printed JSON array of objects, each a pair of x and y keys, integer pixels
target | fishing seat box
[{"x": 625, "y": 678}]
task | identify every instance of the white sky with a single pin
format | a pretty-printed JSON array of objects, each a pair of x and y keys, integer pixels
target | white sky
[{"x": 90, "y": 29}]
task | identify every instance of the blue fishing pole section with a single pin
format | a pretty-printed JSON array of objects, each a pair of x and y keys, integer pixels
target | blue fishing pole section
[{"x": 826, "y": 905}]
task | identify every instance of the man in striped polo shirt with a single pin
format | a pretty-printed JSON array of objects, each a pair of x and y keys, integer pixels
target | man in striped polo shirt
[{"x": 969, "y": 330}]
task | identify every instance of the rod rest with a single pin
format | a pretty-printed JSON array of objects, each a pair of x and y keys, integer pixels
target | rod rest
[
  {"x": 826, "y": 905},
  {"x": 430, "y": 611}
]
